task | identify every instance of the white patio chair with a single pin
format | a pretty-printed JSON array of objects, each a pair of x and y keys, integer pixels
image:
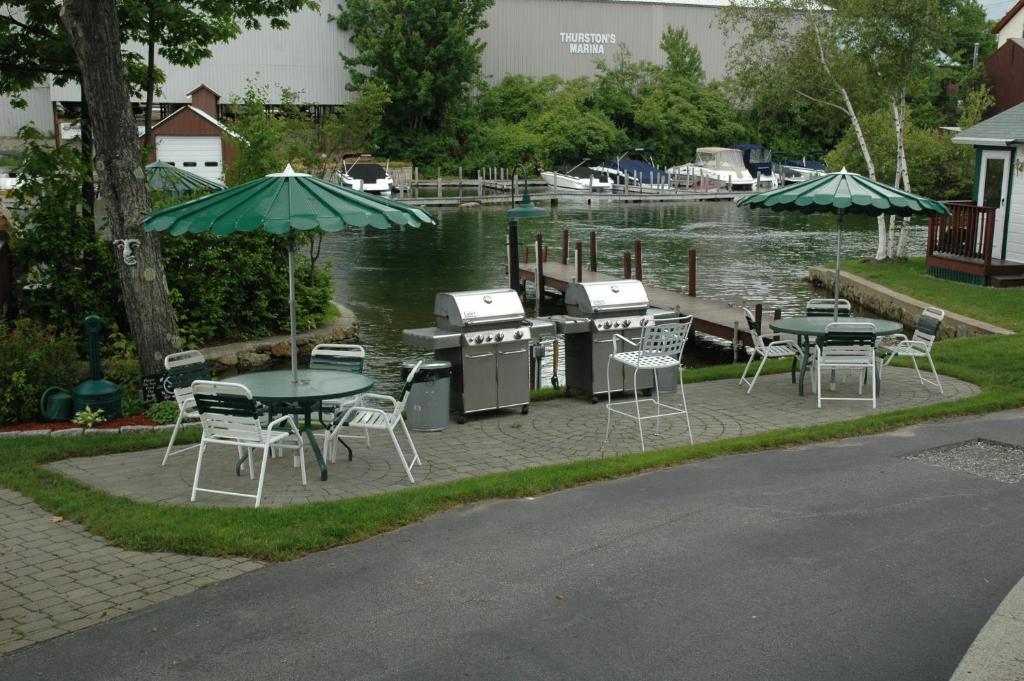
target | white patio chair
[
  {"x": 230, "y": 416},
  {"x": 847, "y": 345},
  {"x": 824, "y": 307},
  {"x": 364, "y": 416},
  {"x": 918, "y": 346},
  {"x": 660, "y": 347},
  {"x": 774, "y": 349},
  {"x": 338, "y": 357},
  {"x": 182, "y": 369}
]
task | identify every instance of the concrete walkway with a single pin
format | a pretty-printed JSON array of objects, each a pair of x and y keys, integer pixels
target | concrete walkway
[
  {"x": 556, "y": 431},
  {"x": 874, "y": 558},
  {"x": 998, "y": 652},
  {"x": 56, "y": 578}
]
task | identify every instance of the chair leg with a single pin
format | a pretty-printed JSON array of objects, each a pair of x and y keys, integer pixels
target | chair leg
[
  {"x": 657, "y": 402},
  {"x": 415, "y": 455},
  {"x": 750, "y": 360},
  {"x": 608, "y": 402},
  {"x": 401, "y": 454},
  {"x": 636, "y": 402},
  {"x": 302, "y": 453},
  {"x": 918, "y": 370},
  {"x": 686, "y": 411},
  {"x": 874, "y": 390},
  {"x": 817, "y": 372},
  {"x": 263, "y": 475},
  {"x": 199, "y": 465},
  {"x": 174, "y": 434},
  {"x": 757, "y": 373},
  {"x": 938, "y": 383}
]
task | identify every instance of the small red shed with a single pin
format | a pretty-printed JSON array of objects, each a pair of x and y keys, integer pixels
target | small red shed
[{"x": 193, "y": 138}]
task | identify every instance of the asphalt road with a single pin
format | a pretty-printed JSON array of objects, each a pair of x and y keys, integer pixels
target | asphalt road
[{"x": 841, "y": 561}]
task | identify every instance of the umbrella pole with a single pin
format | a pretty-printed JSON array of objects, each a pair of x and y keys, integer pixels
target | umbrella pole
[
  {"x": 291, "y": 305},
  {"x": 839, "y": 250}
]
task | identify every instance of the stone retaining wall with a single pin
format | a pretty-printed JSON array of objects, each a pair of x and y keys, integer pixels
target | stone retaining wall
[
  {"x": 897, "y": 306},
  {"x": 233, "y": 358}
]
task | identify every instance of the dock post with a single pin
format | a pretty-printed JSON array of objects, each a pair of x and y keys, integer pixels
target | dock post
[
  {"x": 439, "y": 192},
  {"x": 545, "y": 253},
  {"x": 636, "y": 257},
  {"x": 539, "y": 279},
  {"x": 565, "y": 245},
  {"x": 513, "y": 256},
  {"x": 627, "y": 265},
  {"x": 460, "y": 182},
  {"x": 777, "y": 314},
  {"x": 693, "y": 272},
  {"x": 735, "y": 342},
  {"x": 578, "y": 257},
  {"x": 479, "y": 182},
  {"x": 730, "y": 184},
  {"x": 593, "y": 250},
  {"x": 514, "y": 184},
  {"x": 758, "y": 311},
  {"x": 526, "y": 255}
]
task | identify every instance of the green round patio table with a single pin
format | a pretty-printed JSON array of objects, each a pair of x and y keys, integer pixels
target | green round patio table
[
  {"x": 806, "y": 328},
  {"x": 282, "y": 396}
]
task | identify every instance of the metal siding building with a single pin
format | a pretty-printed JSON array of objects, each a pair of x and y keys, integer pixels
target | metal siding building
[{"x": 532, "y": 37}]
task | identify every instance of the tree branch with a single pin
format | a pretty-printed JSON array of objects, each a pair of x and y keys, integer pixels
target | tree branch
[{"x": 822, "y": 101}]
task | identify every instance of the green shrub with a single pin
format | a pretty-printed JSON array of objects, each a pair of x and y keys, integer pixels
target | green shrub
[
  {"x": 89, "y": 418},
  {"x": 163, "y": 412},
  {"x": 33, "y": 357}
]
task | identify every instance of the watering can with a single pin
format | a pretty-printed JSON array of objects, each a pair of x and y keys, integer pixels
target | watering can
[{"x": 55, "y": 404}]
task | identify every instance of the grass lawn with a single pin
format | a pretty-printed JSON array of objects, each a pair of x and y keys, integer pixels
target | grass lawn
[{"x": 996, "y": 363}]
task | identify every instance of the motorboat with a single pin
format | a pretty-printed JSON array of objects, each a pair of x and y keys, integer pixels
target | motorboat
[
  {"x": 577, "y": 178},
  {"x": 8, "y": 181},
  {"x": 365, "y": 176},
  {"x": 758, "y": 161},
  {"x": 633, "y": 173},
  {"x": 719, "y": 164},
  {"x": 798, "y": 170}
]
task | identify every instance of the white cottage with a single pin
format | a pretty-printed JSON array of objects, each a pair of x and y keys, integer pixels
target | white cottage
[{"x": 983, "y": 241}]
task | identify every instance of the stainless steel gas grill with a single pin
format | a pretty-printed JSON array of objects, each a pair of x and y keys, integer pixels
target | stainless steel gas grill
[
  {"x": 596, "y": 312},
  {"x": 485, "y": 335}
]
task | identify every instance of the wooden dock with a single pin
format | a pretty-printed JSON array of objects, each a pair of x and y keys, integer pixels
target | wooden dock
[
  {"x": 554, "y": 197},
  {"x": 710, "y": 317}
]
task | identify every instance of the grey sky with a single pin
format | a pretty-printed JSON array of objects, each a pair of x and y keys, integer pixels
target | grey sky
[{"x": 997, "y": 8}]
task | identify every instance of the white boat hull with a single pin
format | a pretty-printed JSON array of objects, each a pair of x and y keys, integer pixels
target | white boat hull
[
  {"x": 560, "y": 181},
  {"x": 385, "y": 186},
  {"x": 793, "y": 175},
  {"x": 742, "y": 180}
]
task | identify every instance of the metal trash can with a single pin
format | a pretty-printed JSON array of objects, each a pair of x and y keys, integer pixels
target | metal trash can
[{"x": 429, "y": 401}]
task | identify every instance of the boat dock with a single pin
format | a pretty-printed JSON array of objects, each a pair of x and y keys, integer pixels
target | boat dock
[
  {"x": 710, "y": 317},
  {"x": 471, "y": 201}
]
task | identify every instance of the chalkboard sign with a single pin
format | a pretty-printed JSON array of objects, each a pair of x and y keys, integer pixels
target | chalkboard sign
[{"x": 156, "y": 388}]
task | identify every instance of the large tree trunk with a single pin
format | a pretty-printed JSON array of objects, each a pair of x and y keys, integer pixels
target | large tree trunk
[{"x": 95, "y": 37}]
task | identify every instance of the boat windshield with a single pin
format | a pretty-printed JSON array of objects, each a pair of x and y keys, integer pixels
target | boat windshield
[
  {"x": 760, "y": 155},
  {"x": 720, "y": 159}
]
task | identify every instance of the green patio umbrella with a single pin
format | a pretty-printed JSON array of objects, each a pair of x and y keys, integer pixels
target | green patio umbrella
[
  {"x": 283, "y": 203},
  {"x": 841, "y": 193},
  {"x": 164, "y": 177}
]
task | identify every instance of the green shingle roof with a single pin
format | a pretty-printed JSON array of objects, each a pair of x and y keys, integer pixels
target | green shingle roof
[{"x": 1001, "y": 129}]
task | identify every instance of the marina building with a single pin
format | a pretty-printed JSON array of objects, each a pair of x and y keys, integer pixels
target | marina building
[{"x": 530, "y": 37}]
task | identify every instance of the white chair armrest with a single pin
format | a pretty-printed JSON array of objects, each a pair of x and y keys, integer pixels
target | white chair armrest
[
  {"x": 793, "y": 345},
  {"x": 287, "y": 418},
  {"x": 366, "y": 397},
  {"x": 619, "y": 337}
]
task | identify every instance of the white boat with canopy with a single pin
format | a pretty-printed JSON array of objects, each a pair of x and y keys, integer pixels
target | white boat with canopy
[{"x": 720, "y": 164}]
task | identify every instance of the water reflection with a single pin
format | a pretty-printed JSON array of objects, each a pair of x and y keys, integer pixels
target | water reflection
[{"x": 389, "y": 277}]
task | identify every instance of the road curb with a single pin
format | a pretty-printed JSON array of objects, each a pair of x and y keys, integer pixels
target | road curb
[{"x": 997, "y": 654}]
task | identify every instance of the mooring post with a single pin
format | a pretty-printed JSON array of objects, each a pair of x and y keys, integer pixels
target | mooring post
[
  {"x": 778, "y": 313},
  {"x": 593, "y": 250},
  {"x": 539, "y": 279},
  {"x": 735, "y": 342},
  {"x": 565, "y": 245},
  {"x": 693, "y": 272},
  {"x": 627, "y": 265},
  {"x": 460, "y": 182},
  {"x": 636, "y": 256},
  {"x": 579, "y": 261},
  {"x": 545, "y": 253},
  {"x": 479, "y": 182},
  {"x": 757, "y": 317},
  {"x": 526, "y": 255},
  {"x": 439, "y": 192}
]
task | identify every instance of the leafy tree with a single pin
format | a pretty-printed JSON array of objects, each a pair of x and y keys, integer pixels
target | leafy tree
[
  {"x": 63, "y": 269},
  {"x": 682, "y": 56},
  {"x": 424, "y": 51}
]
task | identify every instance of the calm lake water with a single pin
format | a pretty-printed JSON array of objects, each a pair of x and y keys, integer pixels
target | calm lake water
[{"x": 744, "y": 256}]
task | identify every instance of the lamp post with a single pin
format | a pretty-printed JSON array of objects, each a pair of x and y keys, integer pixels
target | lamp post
[{"x": 524, "y": 210}]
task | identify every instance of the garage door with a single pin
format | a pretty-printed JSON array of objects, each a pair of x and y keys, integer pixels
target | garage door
[{"x": 201, "y": 155}]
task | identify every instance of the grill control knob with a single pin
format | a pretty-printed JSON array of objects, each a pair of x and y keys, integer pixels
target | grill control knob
[
  {"x": 625, "y": 323},
  {"x": 499, "y": 336},
  {"x": 607, "y": 325},
  {"x": 489, "y": 338},
  {"x": 517, "y": 335},
  {"x": 616, "y": 325},
  {"x": 479, "y": 339}
]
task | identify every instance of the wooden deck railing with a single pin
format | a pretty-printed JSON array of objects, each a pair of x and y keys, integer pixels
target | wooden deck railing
[{"x": 965, "y": 235}]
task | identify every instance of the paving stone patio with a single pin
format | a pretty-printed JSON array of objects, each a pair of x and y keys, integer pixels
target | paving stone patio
[
  {"x": 555, "y": 431},
  {"x": 56, "y": 578}
]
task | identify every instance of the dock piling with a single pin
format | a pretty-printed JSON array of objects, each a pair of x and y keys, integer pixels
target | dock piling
[
  {"x": 692, "y": 272},
  {"x": 627, "y": 265},
  {"x": 565, "y": 245},
  {"x": 539, "y": 281},
  {"x": 757, "y": 317},
  {"x": 593, "y": 250},
  {"x": 636, "y": 257},
  {"x": 578, "y": 258}
]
